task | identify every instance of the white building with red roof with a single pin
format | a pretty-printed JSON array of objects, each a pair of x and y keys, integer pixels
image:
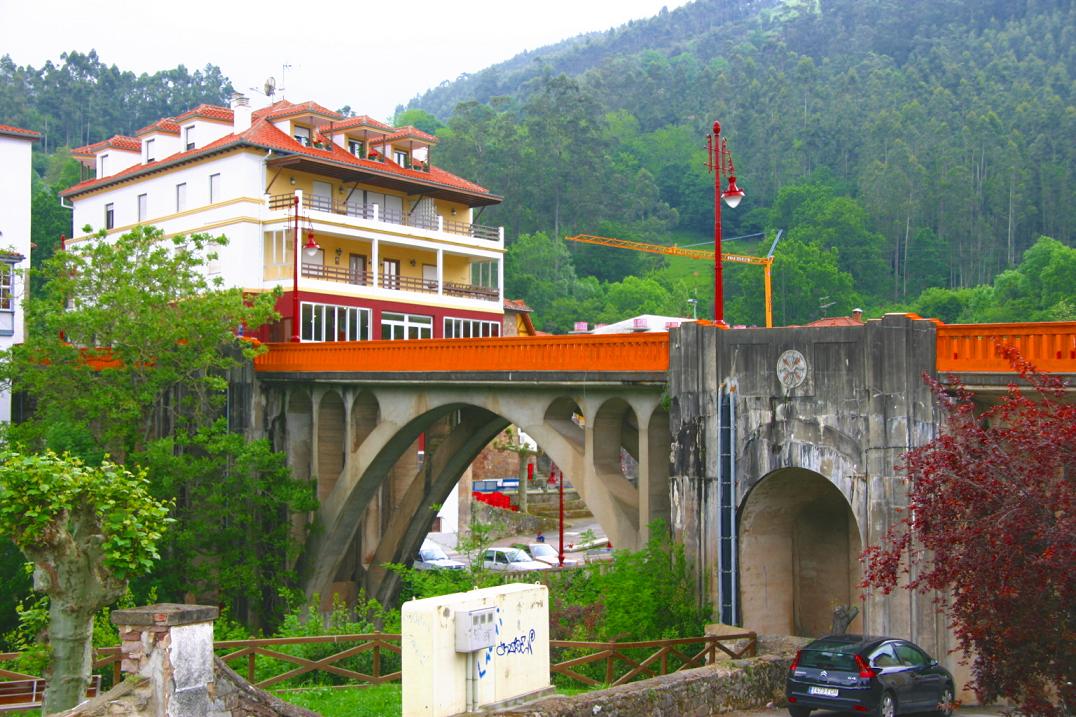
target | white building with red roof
[
  {"x": 15, "y": 170},
  {"x": 393, "y": 247}
]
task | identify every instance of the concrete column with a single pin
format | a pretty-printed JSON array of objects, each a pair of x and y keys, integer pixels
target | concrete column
[
  {"x": 172, "y": 646},
  {"x": 440, "y": 269},
  {"x": 375, "y": 260}
]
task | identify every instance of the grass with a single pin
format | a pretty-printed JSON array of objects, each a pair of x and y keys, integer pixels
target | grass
[{"x": 374, "y": 701}]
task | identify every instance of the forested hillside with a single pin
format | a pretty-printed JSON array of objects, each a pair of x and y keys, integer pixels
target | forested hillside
[{"x": 901, "y": 145}]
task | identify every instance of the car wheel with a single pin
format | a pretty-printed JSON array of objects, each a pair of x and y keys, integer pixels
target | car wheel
[
  {"x": 887, "y": 706},
  {"x": 798, "y": 711},
  {"x": 945, "y": 703}
]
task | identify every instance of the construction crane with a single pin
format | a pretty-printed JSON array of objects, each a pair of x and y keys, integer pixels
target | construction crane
[{"x": 766, "y": 262}]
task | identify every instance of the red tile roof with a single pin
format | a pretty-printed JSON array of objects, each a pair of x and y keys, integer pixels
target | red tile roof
[
  {"x": 409, "y": 132},
  {"x": 264, "y": 135},
  {"x": 166, "y": 125},
  {"x": 120, "y": 142},
  {"x": 210, "y": 112},
  {"x": 12, "y": 131},
  {"x": 289, "y": 109},
  {"x": 361, "y": 121},
  {"x": 516, "y": 305}
]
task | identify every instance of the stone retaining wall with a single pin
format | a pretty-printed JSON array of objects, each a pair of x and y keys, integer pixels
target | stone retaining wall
[{"x": 704, "y": 691}]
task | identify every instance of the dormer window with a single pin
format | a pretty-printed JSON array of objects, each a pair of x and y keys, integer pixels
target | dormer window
[
  {"x": 150, "y": 155},
  {"x": 188, "y": 137},
  {"x": 102, "y": 163},
  {"x": 302, "y": 135},
  {"x": 400, "y": 158},
  {"x": 356, "y": 148}
]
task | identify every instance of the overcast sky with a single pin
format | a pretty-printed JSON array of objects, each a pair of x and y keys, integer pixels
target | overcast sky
[{"x": 371, "y": 56}]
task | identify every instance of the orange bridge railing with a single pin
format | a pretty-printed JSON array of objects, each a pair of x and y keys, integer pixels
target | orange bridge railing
[
  {"x": 643, "y": 352},
  {"x": 1051, "y": 347}
]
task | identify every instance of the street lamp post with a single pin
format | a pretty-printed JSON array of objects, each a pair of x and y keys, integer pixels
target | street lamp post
[
  {"x": 719, "y": 161},
  {"x": 311, "y": 248}
]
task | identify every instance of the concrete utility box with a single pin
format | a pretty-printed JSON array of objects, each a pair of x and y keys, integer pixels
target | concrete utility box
[{"x": 475, "y": 650}]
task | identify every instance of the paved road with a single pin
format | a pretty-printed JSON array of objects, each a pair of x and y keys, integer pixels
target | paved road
[{"x": 969, "y": 711}]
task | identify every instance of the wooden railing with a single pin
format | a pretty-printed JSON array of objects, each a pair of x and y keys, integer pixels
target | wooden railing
[
  {"x": 265, "y": 663},
  {"x": 1051, "y": 347},
  {"x": 646, "y": 352}
]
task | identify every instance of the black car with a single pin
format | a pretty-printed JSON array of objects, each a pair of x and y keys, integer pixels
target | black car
[{"x": 881, "y": 676}]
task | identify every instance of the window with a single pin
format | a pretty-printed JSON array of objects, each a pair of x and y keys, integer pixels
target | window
[
  {"x": 406, "y": 326},
  {"x": 470, "y": 328},
  {"x": 400, "y": 158},
  {"x": 302, "y": 135},
  {"x": 102, "y": 163},
  {"x": 214, "y": 188},
  {"x": 150, "y": 154},
  {"x": 355, "y": 147},
  {"x": 7, "y": 298},
  {"x": 181, "y": 197},
  {"x": 143, "y": 205},
  {"x": 484, "y": 273},
  {"x": 188, "y": 137},
  {"x": 328, "y": 322},
  {"x": 110, "y": 216}
]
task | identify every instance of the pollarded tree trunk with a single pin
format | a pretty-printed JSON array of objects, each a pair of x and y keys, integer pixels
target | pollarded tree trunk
[{"x": 71, "y": 571}]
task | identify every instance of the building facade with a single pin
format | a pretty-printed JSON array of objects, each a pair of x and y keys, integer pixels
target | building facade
[
  {"x": 389, "y": 243},
  {"x": 15, "y": 169}
]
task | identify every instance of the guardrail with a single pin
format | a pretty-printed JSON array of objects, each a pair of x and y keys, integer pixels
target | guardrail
[
  {"x": 644, "y": 352},
  {"x": 971, "y": 348}
]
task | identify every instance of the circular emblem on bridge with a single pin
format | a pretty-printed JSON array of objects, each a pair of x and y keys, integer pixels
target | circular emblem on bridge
[{"x": 791, "y": 369}]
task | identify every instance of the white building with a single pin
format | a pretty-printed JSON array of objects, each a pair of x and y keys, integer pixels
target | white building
[
  {"x": 15, "y": 175},
  {"x": 394, "y": 250}
]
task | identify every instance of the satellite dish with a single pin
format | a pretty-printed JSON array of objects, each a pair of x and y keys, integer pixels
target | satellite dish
[{"x": 270, "y": 87}]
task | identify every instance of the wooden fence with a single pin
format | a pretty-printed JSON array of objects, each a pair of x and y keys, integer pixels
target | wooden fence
[{"x": 269, "y": 663}]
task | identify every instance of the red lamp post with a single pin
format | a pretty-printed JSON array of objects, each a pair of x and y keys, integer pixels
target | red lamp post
[
  {"x": 719, "y": 161},
  {"x": 311, "y": 248}
]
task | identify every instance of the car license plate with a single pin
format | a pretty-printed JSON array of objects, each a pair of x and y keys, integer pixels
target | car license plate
[{"x": 824, "y": 691}]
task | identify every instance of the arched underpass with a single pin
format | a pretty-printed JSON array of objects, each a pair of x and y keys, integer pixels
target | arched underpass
[{"x": 799, "y": 554}]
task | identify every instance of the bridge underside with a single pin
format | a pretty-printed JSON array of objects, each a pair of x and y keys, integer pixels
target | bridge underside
[{"x": 357, "y": 438}]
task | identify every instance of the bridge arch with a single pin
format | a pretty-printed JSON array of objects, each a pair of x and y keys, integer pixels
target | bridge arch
[
  {"x": 799, "y": 553},
  {"x": 379, "y": 507}
]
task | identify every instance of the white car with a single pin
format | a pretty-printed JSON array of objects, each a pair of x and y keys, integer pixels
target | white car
[
  {"x": 432, "y": 557},
  {"x": 510, "y": 559},
  {"x": 546, "y": 553}
]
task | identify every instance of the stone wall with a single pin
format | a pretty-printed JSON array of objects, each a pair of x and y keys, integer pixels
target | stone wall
[{"x": 704, "y": 691}]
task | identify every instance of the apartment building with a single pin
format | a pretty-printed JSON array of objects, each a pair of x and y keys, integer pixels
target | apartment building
[
  {"x": 390, "y": 246},
  {"x": 15, "y": 144}
]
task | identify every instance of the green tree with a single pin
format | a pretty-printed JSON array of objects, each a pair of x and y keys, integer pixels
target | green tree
[
  {"x": 88, "y": 530},
  {"x": 127, "y": 335},
  {"x": 233, "y": 542}
]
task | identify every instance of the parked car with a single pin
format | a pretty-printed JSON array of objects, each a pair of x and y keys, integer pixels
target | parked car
[
  {"x": 432, "y": 557},
  {"x": 546, "y": 553},
  {"x": 882, "y": 676},
  {"x": 510, "y": 559}
]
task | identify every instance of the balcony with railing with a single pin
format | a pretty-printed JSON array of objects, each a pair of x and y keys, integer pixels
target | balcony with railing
[
  {"x": 399, "y": 283},
  {"x": 378, "y": 213}
]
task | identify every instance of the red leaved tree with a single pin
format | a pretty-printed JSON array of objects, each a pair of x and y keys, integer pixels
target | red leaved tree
[{"x": 991, "y": 525}]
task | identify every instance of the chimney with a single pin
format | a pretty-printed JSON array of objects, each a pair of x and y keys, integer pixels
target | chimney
[
  {"x": 240, "y": 113},
  {"x": 857, "y": 314}
]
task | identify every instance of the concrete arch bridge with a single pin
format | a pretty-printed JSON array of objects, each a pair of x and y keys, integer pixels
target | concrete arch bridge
[{"x": 770, "y": 452}]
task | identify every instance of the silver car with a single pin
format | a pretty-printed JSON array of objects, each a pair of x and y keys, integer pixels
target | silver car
[
  {"x": 432, "y": 557},
  {"x": 510, "y": 559}
]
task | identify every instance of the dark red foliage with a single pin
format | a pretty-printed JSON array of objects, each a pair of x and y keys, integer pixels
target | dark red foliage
[{"x": 991, "y": 525}]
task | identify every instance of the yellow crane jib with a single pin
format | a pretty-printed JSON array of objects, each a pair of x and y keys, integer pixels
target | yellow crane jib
[{"x": 766, "y": 262}]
